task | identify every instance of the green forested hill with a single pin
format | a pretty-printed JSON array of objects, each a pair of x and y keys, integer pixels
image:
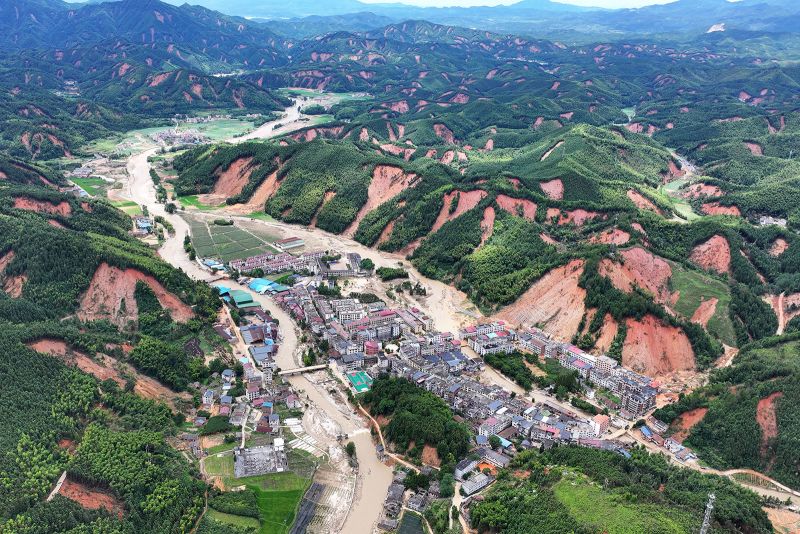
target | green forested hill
[{"x": 55, "y": 417}]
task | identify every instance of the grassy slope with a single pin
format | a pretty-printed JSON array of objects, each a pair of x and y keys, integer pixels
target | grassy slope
[{"x": 591, "y": 506}]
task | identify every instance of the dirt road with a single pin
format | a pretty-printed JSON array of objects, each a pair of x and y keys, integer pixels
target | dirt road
[{"x": 782, "y": 492}]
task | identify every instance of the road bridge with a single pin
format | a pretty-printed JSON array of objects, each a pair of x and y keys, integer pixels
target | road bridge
[{"x": 301, "y": 370}]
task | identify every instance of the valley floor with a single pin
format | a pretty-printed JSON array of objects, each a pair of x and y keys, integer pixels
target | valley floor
[{"x": 449, "y": 307}]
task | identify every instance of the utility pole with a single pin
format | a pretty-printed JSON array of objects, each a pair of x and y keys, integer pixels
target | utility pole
[{"x": 709, "y": 511}]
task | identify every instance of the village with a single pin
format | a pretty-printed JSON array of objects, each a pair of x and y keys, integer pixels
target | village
[{"x": 357, "y": 338}]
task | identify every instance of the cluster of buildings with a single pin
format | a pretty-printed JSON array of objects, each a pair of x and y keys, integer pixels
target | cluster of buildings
[
  {"x": 398, "y": 499},
  {"x": 632, "y": 394},
  {"x": 325, "y": 266},
  {"x": 281, "y": 262},
  {"x": 173, "y": 136},
  {"x": 653, "y": 430}
]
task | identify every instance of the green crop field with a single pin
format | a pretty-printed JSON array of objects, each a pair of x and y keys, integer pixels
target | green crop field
[
  {"x": 192, "y": 201},
  {"x": 590, "y": 505},
  {"x": 278, "y": 494},
  {"x": 92, "y": 185},
  {"x": 680, "y": 205},
  {"x": 128, "y": 206},
  {"x": 236, "y": 520},
  {"x": 227, "y": 242}
]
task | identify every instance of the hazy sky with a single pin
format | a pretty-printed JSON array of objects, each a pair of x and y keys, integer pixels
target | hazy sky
[{"x": 593, "y": 3}]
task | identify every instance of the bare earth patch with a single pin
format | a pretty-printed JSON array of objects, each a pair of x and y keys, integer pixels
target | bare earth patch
[
  {"x": 230, "y": 181},
  {"x": 778, "y": 247},
  {"x": 517, "y": 206},
  {"x": 444, "y": 133},
  {"x": 784, "y": 521},
  {"x": 754, "y": 148},
  {"x": 430, "y": 456},
  {"x": 105, "y": 367},
  {"x": 263, "y": 192},
  {"x": 577, "y": 217},
  {"x": 467, "y": 200},
  {"x": 386, "y": 233},
  {"x": 639, "y": 268},
  {"x": 487, "y": 225},
  {"x": 387, "y": 182},
  {"x": 607, "y": 334},
  {"x": 715, "y": 208},
  {"x": 111, "y": 296},
  {"x": 329, "y": 195},
  {"x": 98, "y": 369},
  {"x": 702, "y": 190},
  {"x": 684, "y": 423},
  {"x": 554, "y": 189},
  {"x": 642, "y": 202},
  {"x": 713, "y": 255},
  {"x": 41, "y": 206},
  {"x": 767, "y": 419},
  {"x": 705, "y": 311},
  {"x": 555, "y": 302},
  {"x": 612, "y": 236},
  {"x": 91, "y": 498},
  {"x": 655, "y": 349}
]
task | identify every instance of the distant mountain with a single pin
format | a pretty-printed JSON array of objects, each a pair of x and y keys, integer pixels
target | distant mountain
[{"x": 302, "y": 27}]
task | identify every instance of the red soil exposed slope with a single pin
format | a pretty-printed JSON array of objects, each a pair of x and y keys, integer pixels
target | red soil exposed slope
[
  {"x": 231, "y": 181},
  {"x": 386, "y": 233},
  {"x": 702, "y": 190},
  {"x": 12, "y": 285},
  {"x": 754, "y": 148},
  {"x": 767, "y": 419},
  {"x": 577, "y": 217},
  {"x": 641, "y": 201},
  {"x": 714, "y": 208},
  {"x": 57, "y": 347},
  {"x": 111, "y": 288},
  {"x": 91, "y": 498},
  {"x": 612, "y": 236},
  {"x": 387, "y": 182},
  {"x": 5, "y": 259},
  {"x": 264, "y": 192},
  {"x": 639, "y": 268},
  {"x": 487, "y": 225},
  {"x": 41, "y": 206},
  {"x": 554, "y": 189},
  {"x": 685, "y": 422},
  {"x": 607, "y": 334},
  {"x": 517, "y": 206},
  {"x": 655, "y": 349},
  {"x": 778, "y": 247},
  {"x": 555, "y": 302},
  {"x": 466, "y": 201},
  {"x": 713, "y": 255},
  {"x": 705, "y": 311},
  {"x": 329, "y": 195},
  {"x": 444, "y": 133}
]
